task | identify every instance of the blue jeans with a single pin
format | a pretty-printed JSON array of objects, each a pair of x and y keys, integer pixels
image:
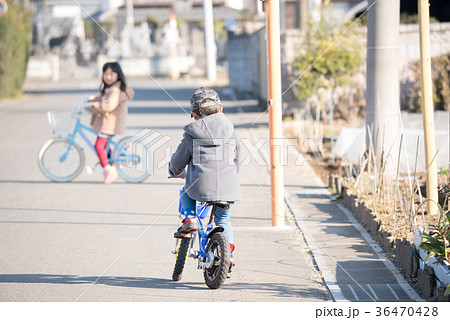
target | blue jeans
[{"x": 221, "y": 218}]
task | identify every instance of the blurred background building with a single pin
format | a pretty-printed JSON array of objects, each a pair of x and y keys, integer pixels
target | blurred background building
[
  {"x": 77, "y": 37},
  {"x": 73, "y": 38}
]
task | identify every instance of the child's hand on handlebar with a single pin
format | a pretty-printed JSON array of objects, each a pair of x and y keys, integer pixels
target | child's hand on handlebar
[
  {"x": 172, "y": 175},
  {"x": 88, "y": 103}
]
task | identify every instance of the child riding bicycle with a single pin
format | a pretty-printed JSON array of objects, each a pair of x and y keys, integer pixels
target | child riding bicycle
[
  {"x": 210, "y": 149},
  {"x": 109, "y": 113}
]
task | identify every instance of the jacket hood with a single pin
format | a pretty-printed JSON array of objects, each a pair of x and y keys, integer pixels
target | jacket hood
[
  {"x": 215, "y": 126},
  {"x": 128, "y": 91}
]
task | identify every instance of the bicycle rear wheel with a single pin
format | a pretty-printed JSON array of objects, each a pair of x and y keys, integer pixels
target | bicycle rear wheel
[
  {"x": 218, "y": 250},
  {"x": 181, "y": 257},
  {"x": 132, "y": 160},
  {"x": 59, "y": 163}
]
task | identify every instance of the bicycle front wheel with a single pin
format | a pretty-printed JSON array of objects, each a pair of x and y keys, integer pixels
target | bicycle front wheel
[
  {"x": 60, "y": 163},
  {"x": 132, "y": 160},
  {"x": 219, "y": 255},
  {"x": 181, "y": 257}
]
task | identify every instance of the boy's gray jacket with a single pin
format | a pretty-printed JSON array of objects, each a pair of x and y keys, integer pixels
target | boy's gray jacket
[{"x": 210, "y": 148}]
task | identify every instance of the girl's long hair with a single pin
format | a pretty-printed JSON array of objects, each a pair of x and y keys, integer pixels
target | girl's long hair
[{"x": 115, "y": 67}]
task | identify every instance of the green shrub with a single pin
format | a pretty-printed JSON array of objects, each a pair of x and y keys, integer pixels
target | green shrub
[
  {"x": 15, "y": 36},
  {"x": 326, "y": 62},
  {"x": 406, "y": 18},
  {"x": 437, "y": 241},
  {"x": 411, "y": 98}
]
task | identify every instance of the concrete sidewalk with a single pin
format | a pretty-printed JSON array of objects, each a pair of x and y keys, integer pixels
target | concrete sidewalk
[
  {"x": 353, "y": 266},
  {"x": 271, "y": 261}
]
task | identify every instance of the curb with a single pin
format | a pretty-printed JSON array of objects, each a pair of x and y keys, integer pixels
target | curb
[
  {"x": 330, "y": 281},
  {"x": 331, "y": 287}
]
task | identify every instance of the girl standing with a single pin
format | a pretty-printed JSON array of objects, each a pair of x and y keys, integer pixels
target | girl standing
[{"x": 109, "y": 113}]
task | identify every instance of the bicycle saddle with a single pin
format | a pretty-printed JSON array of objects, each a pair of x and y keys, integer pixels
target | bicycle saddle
[{"x": 221, "y": 204}]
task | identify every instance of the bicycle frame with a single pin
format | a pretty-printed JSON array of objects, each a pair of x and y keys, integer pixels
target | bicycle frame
[
  {"x": 78, "y": 129},
  {"x": 203, "y": 233},
  {"x": 203, "y": 236},
  {"x": 213, "y": 254},
  {"x": 122, "y": 152}
]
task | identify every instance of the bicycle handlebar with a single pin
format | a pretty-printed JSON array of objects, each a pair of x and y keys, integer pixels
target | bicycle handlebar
[{"x": 78, "y": 109}]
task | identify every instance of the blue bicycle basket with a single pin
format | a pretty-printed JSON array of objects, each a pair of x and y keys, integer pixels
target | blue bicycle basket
[{"x": 202, "y": 210}]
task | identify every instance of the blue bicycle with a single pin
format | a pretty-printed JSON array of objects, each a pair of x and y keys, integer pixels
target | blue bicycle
[
  {"x": 213, "y": 254},
  {"x": 62, "y": 159}
]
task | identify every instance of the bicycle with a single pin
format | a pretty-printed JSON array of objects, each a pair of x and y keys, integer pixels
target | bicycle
[
  {"x": 62, "y": 159},
  {"x": 214, "y": 255}
]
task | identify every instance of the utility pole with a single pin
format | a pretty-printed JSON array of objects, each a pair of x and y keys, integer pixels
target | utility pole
[
  {"x": 46, "y": 37},
  {"x": 174, "y": 67},
  {"x": 210, "y": 43},
  {"x": 275, "y": 110},
  {"x": 383, "y": 88},
  {"x": 130, "y": 27},
  {"x": 304, "y": 15},
  {"x": 427, "y": 104}
]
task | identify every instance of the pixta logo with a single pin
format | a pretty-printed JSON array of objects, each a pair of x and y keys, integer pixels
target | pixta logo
[
  {"x": 146, "y": 145},
  {"x": 152, "y": 151}
]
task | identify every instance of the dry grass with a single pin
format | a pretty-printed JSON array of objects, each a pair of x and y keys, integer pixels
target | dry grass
[{"x": 397, "y": 202}]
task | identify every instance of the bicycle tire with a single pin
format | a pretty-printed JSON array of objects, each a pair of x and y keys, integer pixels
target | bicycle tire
[
  {"x": 130, "y": 171},
  {"x": 181, "y": 257},
  {"x": 216, "y": 275},
  {"x": 51, "y": 165}
]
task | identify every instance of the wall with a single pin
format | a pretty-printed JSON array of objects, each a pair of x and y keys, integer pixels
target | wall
[
  {"x": 409, "y": 50},
  {"x": 43, "y": 68},
  {"x": 248, "y": 52},
  {"x": 247, "y": 68}
]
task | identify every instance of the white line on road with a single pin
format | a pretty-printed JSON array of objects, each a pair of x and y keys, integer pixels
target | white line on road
[
  {"x": 393, "y": 292},
  {"x": 389, "y": 265},
  {"x": 354, "y": 293},
  {"x": 373, "y": 292}
]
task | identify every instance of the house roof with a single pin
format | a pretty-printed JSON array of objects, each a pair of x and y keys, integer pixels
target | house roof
[
  {"x": 170, "y": 2},
  {"x": 163, "y": 12}
]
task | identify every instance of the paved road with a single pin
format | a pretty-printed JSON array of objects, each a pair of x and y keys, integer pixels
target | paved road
[{"x": 84, "y": 241}]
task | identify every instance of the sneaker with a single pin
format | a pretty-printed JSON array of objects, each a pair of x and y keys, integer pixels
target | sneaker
[
  {"x": 111, "y": 175},
  {"x": 189, "y": 225}
]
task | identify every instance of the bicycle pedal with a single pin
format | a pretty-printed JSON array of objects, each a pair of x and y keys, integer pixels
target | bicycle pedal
[{"x": 89, "y": 170}]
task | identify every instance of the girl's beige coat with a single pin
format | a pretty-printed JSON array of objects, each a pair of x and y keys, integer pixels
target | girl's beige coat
[{"x": 109, "y": 111}]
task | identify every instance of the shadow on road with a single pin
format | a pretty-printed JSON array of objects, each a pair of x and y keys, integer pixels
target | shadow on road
[
  {"x": 81, "y": 211},
  {"x": 132, "y": 282},
  {"x": 176, "y": 109},
  {"x": 276, "y": 289},
  {"x": 140, "y": 93},
  {"x": 175, "y": 182}
]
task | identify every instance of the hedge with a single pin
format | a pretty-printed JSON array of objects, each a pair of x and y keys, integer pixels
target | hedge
[{"x": 15, "y": 42}]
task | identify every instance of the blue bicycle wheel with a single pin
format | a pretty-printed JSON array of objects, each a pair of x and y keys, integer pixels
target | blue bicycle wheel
[
  {"x": 132, "y": 160},
  {"x": 59, "y": 163}
]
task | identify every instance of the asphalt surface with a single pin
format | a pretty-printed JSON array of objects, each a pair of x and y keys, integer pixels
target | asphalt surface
[{"x": 85, "y": 241}]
